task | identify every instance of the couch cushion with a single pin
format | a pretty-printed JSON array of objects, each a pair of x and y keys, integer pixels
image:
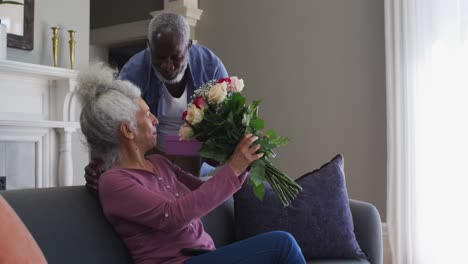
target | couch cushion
[
  {"x": 68, "y": 225},
  {"x": 219, "y": 223},
  {"x": 320, "y": 218},
  {"x": 16, "y": 243}
]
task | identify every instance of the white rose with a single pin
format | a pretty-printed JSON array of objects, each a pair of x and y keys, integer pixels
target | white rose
[
  {"x": 194, "y": 115},
  {"x": 217, "y": 93},
  {"x": 237, "y": 85},
  {"x": 185, "y": 132}
]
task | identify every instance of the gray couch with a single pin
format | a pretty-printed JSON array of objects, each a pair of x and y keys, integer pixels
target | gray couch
[{"x": 69, "y": 226}]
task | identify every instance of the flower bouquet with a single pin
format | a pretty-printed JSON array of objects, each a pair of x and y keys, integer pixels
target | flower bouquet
[{"x": 218, "y": 117}]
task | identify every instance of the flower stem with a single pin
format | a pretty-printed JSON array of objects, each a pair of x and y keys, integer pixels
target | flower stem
[{"x": 285, "y": 188}]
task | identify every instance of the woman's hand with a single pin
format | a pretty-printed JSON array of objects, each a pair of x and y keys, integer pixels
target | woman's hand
[{"x": 244, "y": 154}]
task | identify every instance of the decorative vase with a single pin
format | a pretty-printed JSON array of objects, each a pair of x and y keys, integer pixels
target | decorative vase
[
  {"x": 71, "y": 42},
  {"x": 3, "y": 41},
  {"x": 55, "y": 39}
]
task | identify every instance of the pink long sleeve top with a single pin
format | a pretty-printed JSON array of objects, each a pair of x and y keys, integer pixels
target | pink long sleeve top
[{"x": 158, "y": 213}]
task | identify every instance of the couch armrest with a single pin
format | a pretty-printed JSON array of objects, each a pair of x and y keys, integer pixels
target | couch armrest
[{"x": 368, "y": 229}]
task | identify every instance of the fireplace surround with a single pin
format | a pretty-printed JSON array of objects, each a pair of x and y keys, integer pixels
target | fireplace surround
[{"x": 37, "y": 106}]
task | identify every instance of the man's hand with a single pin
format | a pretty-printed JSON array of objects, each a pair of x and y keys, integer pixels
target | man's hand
[{"x": 92, "y": 173}]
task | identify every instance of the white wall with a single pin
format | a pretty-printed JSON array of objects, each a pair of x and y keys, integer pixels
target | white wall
[
  {"x": 319, "y": 67},
  {"x": 67, "y": 15}
]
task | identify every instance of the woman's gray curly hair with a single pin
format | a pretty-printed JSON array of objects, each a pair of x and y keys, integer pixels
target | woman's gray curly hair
[{"x": 107, "y": 103}]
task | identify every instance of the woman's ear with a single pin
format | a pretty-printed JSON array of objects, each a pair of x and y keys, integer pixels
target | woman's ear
[{"x": 126, "y": 131}]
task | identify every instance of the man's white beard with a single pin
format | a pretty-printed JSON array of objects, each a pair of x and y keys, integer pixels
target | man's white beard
[{"x": 177, "y": 79}]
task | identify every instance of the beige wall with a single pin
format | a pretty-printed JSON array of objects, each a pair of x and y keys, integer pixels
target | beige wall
[{"x": 319, "y": 67}]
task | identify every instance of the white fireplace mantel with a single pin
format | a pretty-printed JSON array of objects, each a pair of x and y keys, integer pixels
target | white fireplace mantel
[{"x": 38, "y": 104}]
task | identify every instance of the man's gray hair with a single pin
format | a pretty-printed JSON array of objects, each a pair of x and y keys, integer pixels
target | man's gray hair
[
  {"x": 107, "y": 103},
  {"x": 169, "y": 23}
]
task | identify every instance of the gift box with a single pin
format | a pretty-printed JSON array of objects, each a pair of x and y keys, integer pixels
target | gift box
[{"x": 176, "y": 147}]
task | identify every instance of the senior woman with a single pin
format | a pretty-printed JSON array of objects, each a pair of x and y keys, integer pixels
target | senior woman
[{"x": 155, "y": 206}]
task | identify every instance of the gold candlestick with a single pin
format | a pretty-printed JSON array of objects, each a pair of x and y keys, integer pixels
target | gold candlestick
[
  {"x": 55, "y": 40},
  {"x": 72, "y": 48}
]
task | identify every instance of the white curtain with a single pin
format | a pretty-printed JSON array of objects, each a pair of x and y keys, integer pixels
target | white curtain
[{"x": 427, "y": 118}]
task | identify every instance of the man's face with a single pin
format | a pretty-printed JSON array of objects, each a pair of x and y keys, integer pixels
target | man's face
[{"x": 169, "y": 56}]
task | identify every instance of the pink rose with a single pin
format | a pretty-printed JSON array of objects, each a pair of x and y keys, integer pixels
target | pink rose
[
  {"x": 237, "y": 85},
  {"x": 217, "y": 93},
  {"x": 200, "y": 102},
  {"x": 185, "y": 132},
  {"x": 194, "y": 115}
]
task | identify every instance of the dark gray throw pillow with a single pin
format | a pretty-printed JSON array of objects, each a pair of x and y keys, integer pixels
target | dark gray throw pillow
[{"x": 320, "y": 218}]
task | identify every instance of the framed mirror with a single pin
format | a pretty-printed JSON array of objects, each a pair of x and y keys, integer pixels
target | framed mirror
[{"x": 20, "y": 24}]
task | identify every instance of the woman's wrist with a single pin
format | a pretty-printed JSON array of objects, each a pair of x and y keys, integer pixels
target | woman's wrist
[{"x": 235, "y": 168}]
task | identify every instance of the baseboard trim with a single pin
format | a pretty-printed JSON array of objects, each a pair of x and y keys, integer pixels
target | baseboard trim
[{"x": 387, "y": 250}]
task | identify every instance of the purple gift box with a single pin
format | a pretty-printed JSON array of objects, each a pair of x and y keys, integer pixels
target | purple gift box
[{"x": 181, "y": 148}]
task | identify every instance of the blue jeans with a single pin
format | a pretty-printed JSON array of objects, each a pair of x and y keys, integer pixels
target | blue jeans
[{"x": 272, "y": 247}]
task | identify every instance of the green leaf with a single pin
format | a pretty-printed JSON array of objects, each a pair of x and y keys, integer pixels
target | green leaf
[
  {"x": 237, "y": 103},
  {"x": 253, "y": 108},
  {"x": 279, "y": 141},
  {"x": 246, "y": 120},
  {"x": 274, "y": 140},
  {"x": 270, "y": 133},
  {"x": 210, "y": 153},
  {"x": 259, "y": 191},
  {"x": 257, "y": 172},
  {"x": 230, "y": 118},
  {"x": 257, "y": 123}
]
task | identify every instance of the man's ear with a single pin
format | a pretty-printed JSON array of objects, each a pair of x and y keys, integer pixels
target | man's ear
[
  {"x": 126, "y": 131},
  {"x": 190, "y": 43},
  {"x": 148, "y": 44}
]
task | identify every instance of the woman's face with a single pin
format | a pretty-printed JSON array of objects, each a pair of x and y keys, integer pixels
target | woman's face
[{"x": 146, "y": 136}]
